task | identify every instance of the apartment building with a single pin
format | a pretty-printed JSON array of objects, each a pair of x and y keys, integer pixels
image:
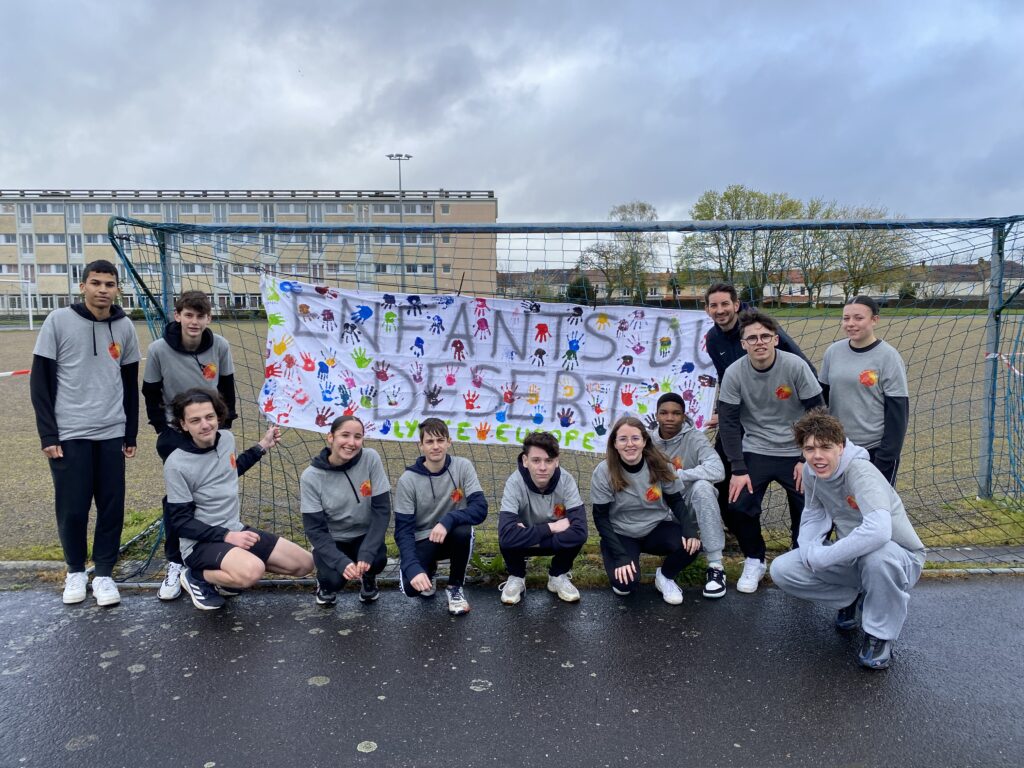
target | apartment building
[{"x": 47, "y": 237}]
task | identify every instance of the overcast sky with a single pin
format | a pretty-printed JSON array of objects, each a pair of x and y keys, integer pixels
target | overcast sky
[{"x": 562, "y": 108}]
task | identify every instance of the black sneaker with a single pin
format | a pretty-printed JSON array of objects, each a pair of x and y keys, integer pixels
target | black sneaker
[
  {"x": 849, "y": 617},
  {"x": 714, "y": 583},
  {"x": 323, "y": 597},
  {"x": 875, "y": 653},
  {"x": 368, "y": 591},
  {"x": 203, "y": 595}
]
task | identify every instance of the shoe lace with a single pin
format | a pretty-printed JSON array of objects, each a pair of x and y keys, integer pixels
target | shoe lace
[{"x": 455, "y": 593}]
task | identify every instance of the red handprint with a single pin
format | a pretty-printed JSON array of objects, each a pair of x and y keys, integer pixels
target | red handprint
[
  {"x": 481, "y": 307},
  {"x": 308, "y": 363},
  {"x": 483, "y": 329},
  {"x": 351, "y": 408},
  {"x": 268, "y": 405},
  {"x": 543, "y": 334},
  {"x": 324, "y": 416},
  {"x": 471, "y": 397},
  {"x": 449, "y": 375},
  {"x": 626, "y": 393},
  {"x": 272, "y": 371},
  {"x": 508, "y": 393},
  {"x": 300, "y": 397},
  {"x": 284, "y": 416},
  {"x": 482, "y": 430},
  {"x": 459, "y": 349}
]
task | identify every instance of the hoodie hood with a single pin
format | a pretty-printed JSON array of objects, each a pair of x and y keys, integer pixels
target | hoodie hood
[
  {"x": 420, "y": 467},
  {"x": 323, "y": 461},
  {"x": 166, "y": 445},
  {"x": 173, "y": 337},
  {"x": 552, "y": 483},
  {"x": 116, "y": 313}
]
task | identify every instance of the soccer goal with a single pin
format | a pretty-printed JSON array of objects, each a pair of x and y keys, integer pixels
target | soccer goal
[{"x": 505, "y": 329}]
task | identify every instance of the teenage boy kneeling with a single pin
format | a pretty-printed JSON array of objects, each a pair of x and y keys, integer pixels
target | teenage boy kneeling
[
  {"x": 868, "y": 572},
  {"x": 437, "y": 501}
]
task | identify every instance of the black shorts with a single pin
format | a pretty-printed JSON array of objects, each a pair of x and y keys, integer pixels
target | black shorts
[{"x": 207, "y": 556}]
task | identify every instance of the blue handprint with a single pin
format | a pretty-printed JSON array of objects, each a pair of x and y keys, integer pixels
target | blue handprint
[
  {"x": 344, "y": 395},
  {"x": 270, "y": 387},
  {"x": 362, "y": 314},
  {"x": 684, "y": 368},
  {"x": 327, "y": 393},
  {"x": 599, "y": 426},
  {"x": 417, "y": 347},
  {"x": 538, "y": 414},
  {"x": 323, "y": 371},
  {"x": 501, "y": 415},
  {"x": 385, "y": 427},
  {"x": 287, "y": 286}
]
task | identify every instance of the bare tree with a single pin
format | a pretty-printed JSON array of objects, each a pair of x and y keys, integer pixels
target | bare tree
[
  {"x": 638, "y": 251},
  {"x": 814, "y": 250},
  {"x": 603, "y": 257},
  {"x": 869, "y": 257}
]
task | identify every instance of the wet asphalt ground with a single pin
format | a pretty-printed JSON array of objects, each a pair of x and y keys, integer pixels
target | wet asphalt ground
[{"x": 274, "y": 680}]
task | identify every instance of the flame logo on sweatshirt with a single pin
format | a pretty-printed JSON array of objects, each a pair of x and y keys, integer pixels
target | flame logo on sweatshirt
[
  {"x": 231, "y": 460},
  {"x": 868, "y": 378},
  {"x": 559, "y": 511},
  {"x": 115, "y": 350},
  {"x": 653, "y": 493},
  {"x": 677, "y": 462},
  {"x": 210, "y": 371},
  {"x": 784, "y": 392},
  {"x": 366, "y": 489},
  {"x": 457, "y": 495},
  {"x": 852, "y": 502}
]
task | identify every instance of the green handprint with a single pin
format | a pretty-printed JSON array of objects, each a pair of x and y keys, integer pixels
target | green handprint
[
  {"x": 673, "y": 323},
  {"x": 274, "y": 319},
  {"x": 359, "y": 357},
  {"x": 666, "y": 384},
  {"x": 389, "y": 321},
  {"x": 273, "y": 295},
  {"x": 641, "y": 407}
]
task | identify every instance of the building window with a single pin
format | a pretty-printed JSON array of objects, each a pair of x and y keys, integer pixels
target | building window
[
  {"x": 8, "y": 269},
  {"x": 427, "y": 269},
  {"x": 446, "y": 268},
  {"x": 379, "y": 238},
  {"x": 121, "y": 209},
  {"x": 244, "y": 208},
  {"x": 146, "y": 208},
  {"x": 76, "y": 273},
  {"x": 267, "y": 213},
  {"x": 49, "y": 208},
  {"x": 52, "y": 269},
  {"x": 8, "y": 238},
  {"x": 74, "y": 213},
  {"x": 25, "y": 242},
  {"x": 75, "y": 245},
  {"x": 379, "y": 208},
  {"x": 380, "y": 269},
  {"x": 98, "y": 207},
  {"x": 291, "y": 208},
  {"x": 220, "y": 213},
  {"x": 96, "y": 239},
  {"x": 24, "y": 213},
  {"x": 220, "y": 244},
  {"x": 445, "y": 209},
  {"x": 28, "y": 272},
  {"x": 50, "y": 239},
  {"x": 268, "y": 245},
  {"x": 255, "y": 300},
  {"x": 316, "y": 213},
  {"x": 7, "y": 207}
]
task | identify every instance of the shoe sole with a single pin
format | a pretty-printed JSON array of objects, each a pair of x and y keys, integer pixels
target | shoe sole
[
  {"x": 746, "y": 590},
  {"x": 875, "y": 666},
  {"x": 515, "y": 600},
  {"x": 665, "y": 597},
  {"x": 187, "y": 590},
  {"x": 168, "y": 598},
  {"x": 714, "y": 595},
  {"x": 369, "y": 598},
  {"x": 106, "y": 602},
  {"x": 74, "y": 600},
  {"x": 621, "y": 594},
  {"x": 562, "y": 596},
  {"x": 325, "y": 603},
  {"x": 458, "y": 612}
]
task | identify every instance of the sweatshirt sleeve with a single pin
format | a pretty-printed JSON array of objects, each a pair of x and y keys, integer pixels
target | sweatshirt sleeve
[
  {"x": 319, "y": 535},
  {"x": 709, "y": 465},
  {"x": 249, "y": 458},
  {"x": 183, "y": 521},
  {"x": 603, "y": 523},
  {"x": 894, "y": 430},
  {"x": 380, "y": 516},
  {"x": 153, "y": 394},
  {"x": 43, "y": 388},
  {"x": 475, "y": 511},
  {"x": 873, "y": 532},
  {"x": 226, "y": 388},
  {"x": 576, "y": 534},
  {"x": 732, "y": 436},
  {"x": 130, "y": 401},
  {"x": 683, "y": 513},
  {"x": 512, "y": 534},
  {"x": 815, "y": 523},
  {"x": 405, "y": 531}
]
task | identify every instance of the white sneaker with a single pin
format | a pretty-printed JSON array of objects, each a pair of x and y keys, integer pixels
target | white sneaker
[
  {"x": 670, "y": 591},
  {"x": 105, "y": 591},
  {"x": 457, "y": 602},
  {"x": 171, "y": 588},
  {"x": 512, "y": 590},
  {"x": 74, "y": 587},
  {"x": 753, "y": 571},
  {"x": 563, "y": 587}
]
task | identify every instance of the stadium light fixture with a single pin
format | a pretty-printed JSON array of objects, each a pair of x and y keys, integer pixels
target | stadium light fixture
[{"x": 400, "y": 156}]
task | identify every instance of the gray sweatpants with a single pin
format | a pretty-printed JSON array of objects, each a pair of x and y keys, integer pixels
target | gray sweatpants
[
  {"x": 885, "y": 576},
  {"x": 702, "y": 497}
]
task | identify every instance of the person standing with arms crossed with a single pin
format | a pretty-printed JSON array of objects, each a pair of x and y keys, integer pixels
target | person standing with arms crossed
[{"x": 84, "y": 385}]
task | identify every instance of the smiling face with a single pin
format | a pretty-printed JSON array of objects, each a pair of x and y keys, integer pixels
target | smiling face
[
  {"x": 759, "y": 343},
  {"x": 345, "y": 442},
  {"x": 823, "y": 458},
  {"x": 540, "y": 466},
  {"x": 200, "y": 422},
  {"x": 629, "y": 444},
  {"x": 99, "y": 289},
  {"x": 859, "y": 325},
  {"x": 192, "y": 325},
  {"x": 722, "y": 309},
  {"x": 670, "y": 419},
  {"x": 434, "y": 448}
]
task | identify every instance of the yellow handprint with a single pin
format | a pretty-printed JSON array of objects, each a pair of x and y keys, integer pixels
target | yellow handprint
[
  {"x": 281, "y": 346},
  {"x": 533, "y": 394}
]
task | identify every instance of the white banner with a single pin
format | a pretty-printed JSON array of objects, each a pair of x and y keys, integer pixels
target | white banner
[{"x": 493, "y": 369}]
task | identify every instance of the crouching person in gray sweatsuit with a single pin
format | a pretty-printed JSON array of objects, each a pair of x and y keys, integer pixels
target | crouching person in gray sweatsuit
[
  {"x": 868, "y": 571},
  {"x": 222, "y": 555}
]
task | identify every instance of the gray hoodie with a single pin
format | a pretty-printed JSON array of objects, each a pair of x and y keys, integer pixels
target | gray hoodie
[
  {"x": 691, "y": 453},
  {"x": 865, "y": 509}
]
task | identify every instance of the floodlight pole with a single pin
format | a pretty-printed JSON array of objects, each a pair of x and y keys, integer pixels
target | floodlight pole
[{"x": 400, "y": 156}]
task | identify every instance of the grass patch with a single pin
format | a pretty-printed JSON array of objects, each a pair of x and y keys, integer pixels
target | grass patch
[
  {"x": 135, "y": 522},
  {"x": 978, "y": 522}
]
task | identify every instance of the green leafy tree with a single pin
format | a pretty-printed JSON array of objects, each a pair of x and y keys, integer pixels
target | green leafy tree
[{"x": 869, "y": 257}]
